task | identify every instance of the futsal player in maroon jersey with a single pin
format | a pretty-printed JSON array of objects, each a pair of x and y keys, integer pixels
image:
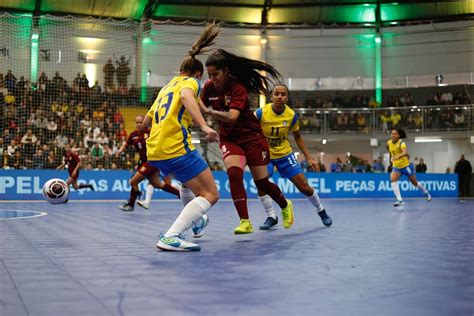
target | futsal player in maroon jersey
[
  {"x": 241, "y": 138},
  {"x": 73, "y": 162},
  {"x": 144, "y": 170}
]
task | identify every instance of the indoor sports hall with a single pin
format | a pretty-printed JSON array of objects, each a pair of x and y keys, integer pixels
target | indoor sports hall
[{"x": 376, "y": 129}]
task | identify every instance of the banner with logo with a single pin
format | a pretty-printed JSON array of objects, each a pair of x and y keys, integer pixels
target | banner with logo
[{"x": 113, "y": 185}]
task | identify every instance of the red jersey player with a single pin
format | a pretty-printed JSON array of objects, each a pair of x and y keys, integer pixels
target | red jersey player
[
  {"x": 73, "y": 162},
  {"x": 241, "y": 138},
  {"x": 144, "y": 170}
]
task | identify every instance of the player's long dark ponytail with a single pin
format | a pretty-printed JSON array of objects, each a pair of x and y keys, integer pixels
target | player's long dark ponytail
[
  {"x": 190, "y": 64},
  {"x": 246, "y": 70},
  {"x": 402, "y": 133}
]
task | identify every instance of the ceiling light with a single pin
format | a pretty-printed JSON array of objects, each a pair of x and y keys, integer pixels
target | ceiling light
[{"x": 428, "y": 140}]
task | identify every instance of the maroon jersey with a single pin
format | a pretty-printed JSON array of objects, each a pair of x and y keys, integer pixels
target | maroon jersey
[
  {"x": 234, "y": 96},
  {"x": 138, "y": 139},
  {"x": 71, "y": 159}
]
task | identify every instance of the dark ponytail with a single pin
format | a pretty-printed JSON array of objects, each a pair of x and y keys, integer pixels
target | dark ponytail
[
  {"x": 245, "y": 70},
  {"x": 402, "y": 133},
  {"x": 190, "y": 64}
]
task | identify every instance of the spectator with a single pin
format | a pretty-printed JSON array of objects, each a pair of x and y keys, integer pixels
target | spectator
[
  {"x": 97, "y": 152},
  {"x": 348, "y": 166},
  {"x": 102, "y": 139},
  {"x": 321, "y": 166},
  {"x": 10, "y": 81},
  {"x": 378, "y": 166},
  {"x": 133, "y": 95},
  {"x": 336, "y": 166},
  {"x": 459, "y": 119},
  {"x": 395, "y": 119},
  {"x": 464, "y": 169},
  {"x": 89, "y": 140},
  {"x": 385, "y": 120},
  {"x": 448, "y": 169},
  {"x": 361, "y": 167},
  {"x": 421, "y": 166},
  {"x": 51, "y": 128},
  {"x": 123, "y": 71},
  {"x": 39, "y": 160},
  {"x": 109, "y": 71},
  {"x": 29, "y": 141},
  {"x": 61, "y": 140},
  {"x": 86, "y": 122},
  {"x": 121, "y": 133},
  {"x": 361, "y": 123},
  {"x": 7, "y": 137},
  {"x": 17, "y": 161}
]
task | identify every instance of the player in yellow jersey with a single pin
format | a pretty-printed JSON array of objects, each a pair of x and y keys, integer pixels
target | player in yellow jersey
[
  {"x": 402, "y": 165},
  {"x": 277, "y": 120},
  {"x": 170, "y": 149}
]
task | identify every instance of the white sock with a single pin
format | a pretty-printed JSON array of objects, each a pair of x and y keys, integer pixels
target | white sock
[
  {"x": 186, "y": 195},
  {"x": 396, "y": 190},
  {"x": 149, "y": 193},
  {"x": 422, "y": 188},
  {"x": 267, "y": 203},
  {"x": 314, "y": 199},
  {"x": 190, "y": 215}
]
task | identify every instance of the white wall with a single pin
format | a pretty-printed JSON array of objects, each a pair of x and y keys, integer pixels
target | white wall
[
  {"x": 428, "y": 49},
  {"x": 15, "y": 35}
]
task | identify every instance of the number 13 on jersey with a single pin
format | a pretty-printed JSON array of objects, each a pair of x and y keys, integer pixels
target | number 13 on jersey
[{"x": 163, "y": 108}]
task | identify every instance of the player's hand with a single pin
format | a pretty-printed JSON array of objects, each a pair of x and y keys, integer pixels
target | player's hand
[
  {"x": 211, "y": 135},
  {"x": 74, "y": 174}
]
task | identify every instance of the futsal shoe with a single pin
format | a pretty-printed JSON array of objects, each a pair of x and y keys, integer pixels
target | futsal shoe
[
  {"x": 245, "y": 227},
  {"x": 126, "y": 207},
  {"x": 428, "y": 196},
  {"x": 143, "y": 204},
  {"x": 288, "y": 215},
  {"x": 399, "y": 203},
  {"x": 175, "y": 243},
  {"x": 198, "y": 229},
  {"x": 327, "y": 220},
  {"x": 269, "y": 223}
]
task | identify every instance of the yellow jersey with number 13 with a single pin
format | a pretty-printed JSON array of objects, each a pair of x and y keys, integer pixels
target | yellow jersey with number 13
[
  {"x": 170, "y": 136},
  {"x": 276, "y": 128},
  {"x": 397, "y": 149}
]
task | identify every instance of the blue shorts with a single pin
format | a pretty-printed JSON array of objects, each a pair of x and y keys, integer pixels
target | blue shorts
[
  {"x": 184, "y": 167},
  {"x": 287, "y": 166},
  {"x": 407, "y": 171}
]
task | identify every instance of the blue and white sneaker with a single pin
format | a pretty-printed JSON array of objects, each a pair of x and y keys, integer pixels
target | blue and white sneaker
[
  {"x": 428, "y": 196},
  {"x": 327, "y": 220},
  {"x": 269, "y": 223},
  {"x": 126, "y": 207},
  {"x": 198, "y": 229},
  {"x": 175, "y": 243},
  {"x": 399, "y": 203}
]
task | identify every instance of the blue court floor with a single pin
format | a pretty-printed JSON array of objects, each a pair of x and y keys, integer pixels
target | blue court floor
[{"x": 92, "y": 259}]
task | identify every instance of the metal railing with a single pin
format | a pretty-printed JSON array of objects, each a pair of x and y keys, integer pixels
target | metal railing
[{"x": 443, "y": 118}]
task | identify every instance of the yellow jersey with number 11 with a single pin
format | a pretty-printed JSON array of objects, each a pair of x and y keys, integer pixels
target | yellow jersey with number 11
[
  {"x": 276, "y": 127},
  {"x": 170, "y": 136},
  {"x": 397, "y": 149}
]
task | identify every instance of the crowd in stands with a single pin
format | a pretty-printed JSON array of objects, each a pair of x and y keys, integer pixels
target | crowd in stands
[
  {"x": 36, "y": 122},
  {"x": 411, "y": 119}
]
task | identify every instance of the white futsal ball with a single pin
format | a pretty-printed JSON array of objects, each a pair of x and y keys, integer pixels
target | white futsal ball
[{"x": 56, "y": 191}]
